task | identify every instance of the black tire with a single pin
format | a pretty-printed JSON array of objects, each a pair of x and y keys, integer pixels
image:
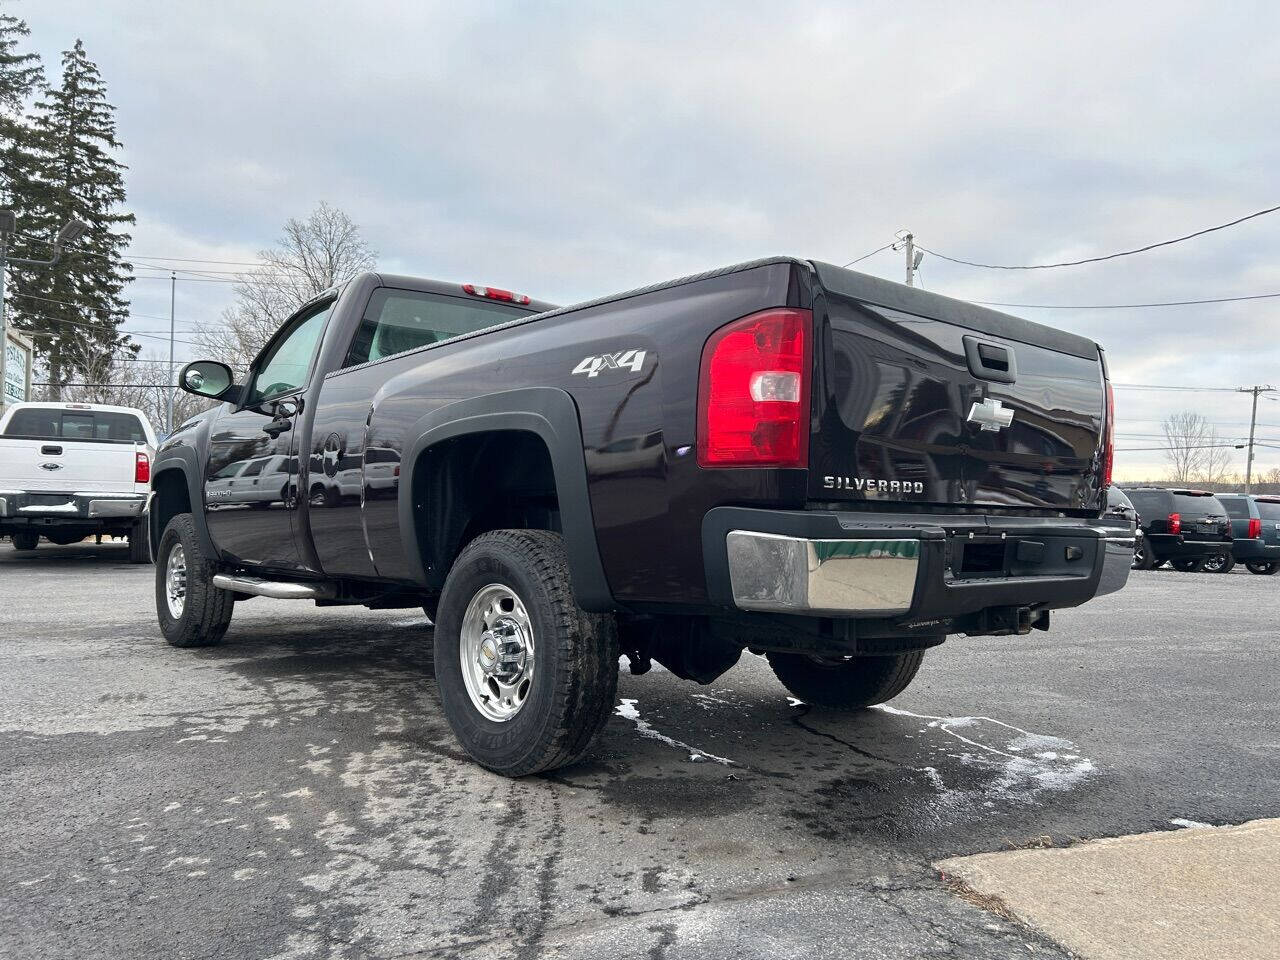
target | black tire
[
  {"x": 1188, "y": 564},
  {"x": 206, "y": 610},
  {"x": 846, "y": 683},
  {"x": 1219, "y": 563},
  {"x": 575, "y": 656},
  {"x": 1142, "y": 558},
  {"x": 26, "y": 540},
  {"x": 1263, "y": 568},
  {"x": 140, "y": 542}
]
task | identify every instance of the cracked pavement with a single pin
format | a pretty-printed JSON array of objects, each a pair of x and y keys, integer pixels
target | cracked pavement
[{"x": 296, "y": 793}]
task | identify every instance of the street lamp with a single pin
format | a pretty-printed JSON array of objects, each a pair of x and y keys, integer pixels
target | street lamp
[{"x": 71, "y": 231}]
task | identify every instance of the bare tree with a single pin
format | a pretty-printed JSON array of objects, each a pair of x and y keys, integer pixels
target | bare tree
[
  {"x": 1215, "y": 466},
  {"x": 1185, "y": 437},
  {"x": 314, "y": 254}
]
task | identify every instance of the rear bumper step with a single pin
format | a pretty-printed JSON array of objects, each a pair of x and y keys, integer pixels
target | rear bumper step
[{"x": 276, "y": 589}]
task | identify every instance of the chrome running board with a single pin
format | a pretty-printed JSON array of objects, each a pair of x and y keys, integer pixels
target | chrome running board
[{"x": 276, "y": 589}]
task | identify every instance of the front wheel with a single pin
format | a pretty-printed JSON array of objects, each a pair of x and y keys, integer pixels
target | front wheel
[
  {"x": 1142, "y": 558},
  {"x": 26, "y": 540},
  {"x": 845, "y": 683},
  {"x": 191, "y": 610},
  {"x": 1219, "y": 563},
  {"x": 1263, "y": 568},
  {"x": 1188, "y": 564},
  {"x": 526, "y": 677}
]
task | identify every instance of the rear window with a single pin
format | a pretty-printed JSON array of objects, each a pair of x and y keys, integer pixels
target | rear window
[
  {"x": 401, "y": 320},
  {"x": 1198, "y": 505},
  {"x": 1237, "y": 507},
  {"x": 1268, "y": 509},
  {"x": 95, "y": 426}
]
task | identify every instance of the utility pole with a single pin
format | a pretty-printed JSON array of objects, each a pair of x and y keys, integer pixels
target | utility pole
[
  {"x": 914, "y": 256},
  {"x": 173, "y": 284},
  {"x": 71, "y": 231},
  {"x": 1253, "y": 423}
]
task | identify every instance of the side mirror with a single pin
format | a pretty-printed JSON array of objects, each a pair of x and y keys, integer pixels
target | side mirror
[{"x": 206, "y": 378}]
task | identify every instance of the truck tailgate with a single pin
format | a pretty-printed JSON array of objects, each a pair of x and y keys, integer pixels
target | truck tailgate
[
  {"x": 67, "y": 465},
  {"x": 925, "y": 399}
]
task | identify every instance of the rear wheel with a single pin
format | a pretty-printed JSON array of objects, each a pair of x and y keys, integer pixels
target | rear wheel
[
  {"x": 1188, "y": 564},
  {"x": 1142, "y": 559},
  {"x": 25, "y": 540},
  {"x": 526, "y": 677},
  {"x": 845, "y": 683},
  {"x": 140, "y": 541},
  {"x": 1219, "y": 563},
  {"x": 1264, "y": 568},
  {"x": 191, "y": 610}
]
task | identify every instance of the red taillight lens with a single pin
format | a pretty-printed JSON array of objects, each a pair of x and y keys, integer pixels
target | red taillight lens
[
  {"x": 1175, "y": 523},
  {"x": 1255, "y": 527},
  {"x": 753, "y": 392},
  {"x": 1109, "y": 438},
  {"x": 141, "y": 469}
]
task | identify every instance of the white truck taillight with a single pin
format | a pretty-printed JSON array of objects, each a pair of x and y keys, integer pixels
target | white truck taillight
[
  {"x": 141, "y": 468},
  {"x": 753, "y": 391}
]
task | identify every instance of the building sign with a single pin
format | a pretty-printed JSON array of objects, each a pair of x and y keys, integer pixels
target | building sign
[{"x": 17, "y": 365}]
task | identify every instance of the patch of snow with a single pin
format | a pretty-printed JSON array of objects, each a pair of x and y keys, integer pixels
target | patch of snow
[
  {"x": 1180, "y": 822},
  {"x": 628, "y": 711}
]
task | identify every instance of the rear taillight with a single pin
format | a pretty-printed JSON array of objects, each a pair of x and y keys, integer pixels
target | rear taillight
[
  {"x": 1175, "y": 523},
  {"x": 1255, "y": 527},
  {"x": 753, "y": 392},
  {"x": 141, "y": 469},
  {"x": 493, "y": 293},
  {"x": 1109, "y": 438}
]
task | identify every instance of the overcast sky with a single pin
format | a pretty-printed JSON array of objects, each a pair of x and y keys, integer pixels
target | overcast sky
[{"x": 572, "y": 150}]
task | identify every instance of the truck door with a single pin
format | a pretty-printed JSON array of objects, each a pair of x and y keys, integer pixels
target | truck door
[{"x": 257, "y": 525}]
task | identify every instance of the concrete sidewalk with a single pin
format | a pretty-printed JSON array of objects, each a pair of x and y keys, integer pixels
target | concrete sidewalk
[{"x": 1197, "y": 893}]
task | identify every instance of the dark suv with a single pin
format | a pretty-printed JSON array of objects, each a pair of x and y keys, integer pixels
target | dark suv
[
  {"x": 1184, "y": 527},
  {"x": 1255, "y": 525}
]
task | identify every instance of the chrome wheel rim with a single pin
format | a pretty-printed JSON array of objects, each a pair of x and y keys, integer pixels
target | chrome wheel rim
[
  {"x": 496, "y": 652},
  {"x": 175, "y": 581},
  {"x": 1215, "y": 563}
]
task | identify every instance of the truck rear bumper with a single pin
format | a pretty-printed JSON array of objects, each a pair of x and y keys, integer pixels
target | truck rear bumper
[
  {"x": 19, "y": 508},
  {"x": 909, "y": 567},
  {"x": 1254, "y": 549}
]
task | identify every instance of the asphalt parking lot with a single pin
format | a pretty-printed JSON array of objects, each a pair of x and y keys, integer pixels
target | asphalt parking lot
[{"x": 296, "y": 793}]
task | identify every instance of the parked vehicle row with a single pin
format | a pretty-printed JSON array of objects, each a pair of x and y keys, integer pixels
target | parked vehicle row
[{"x": 1196, "y": 530}]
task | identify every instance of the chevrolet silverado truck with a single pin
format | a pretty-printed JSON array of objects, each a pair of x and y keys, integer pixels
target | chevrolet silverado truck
[
  {"x": 75, "y": 470},
  {"x": 781, "y": 456}
]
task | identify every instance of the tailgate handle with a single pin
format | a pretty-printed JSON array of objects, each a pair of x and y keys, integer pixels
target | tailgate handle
[
  {"x": 50, "y": 450},
  {"x": 990, "y": 361}
]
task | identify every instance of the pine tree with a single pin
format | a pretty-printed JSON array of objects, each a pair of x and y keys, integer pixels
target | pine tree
[
  {"x": 21, "y": 75},
  {"x": 74, "y": 177}
]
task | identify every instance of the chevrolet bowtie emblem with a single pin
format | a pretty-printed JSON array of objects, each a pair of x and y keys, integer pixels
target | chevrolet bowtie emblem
[{"x": 990, "y": 415}]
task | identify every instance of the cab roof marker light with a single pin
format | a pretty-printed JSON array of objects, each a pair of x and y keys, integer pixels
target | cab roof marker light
[{"x": 495, "y": 293}]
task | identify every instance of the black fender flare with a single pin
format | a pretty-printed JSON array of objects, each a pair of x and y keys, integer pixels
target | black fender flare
[
  {"x": 552, "y": 415},
  {"x": 181, "y": 460}
]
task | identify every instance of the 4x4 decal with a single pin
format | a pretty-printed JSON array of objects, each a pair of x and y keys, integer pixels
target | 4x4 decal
[{"x": 632, "y": 360}]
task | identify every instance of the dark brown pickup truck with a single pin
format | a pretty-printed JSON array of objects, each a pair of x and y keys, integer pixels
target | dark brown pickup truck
[{"x": 780, "y": 456}]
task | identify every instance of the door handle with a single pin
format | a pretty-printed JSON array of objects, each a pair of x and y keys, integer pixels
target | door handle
[{"x": 990, "y": 361}]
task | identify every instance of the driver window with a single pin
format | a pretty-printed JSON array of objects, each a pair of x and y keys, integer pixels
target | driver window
[{"x": 284, "y": 367}]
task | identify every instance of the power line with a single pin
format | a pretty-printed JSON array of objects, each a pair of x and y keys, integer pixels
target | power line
[
  {"x": 1175, "y": 387},
  {"x": 1109, "y": 256},
  {"x": 867, "y": 255},
  {"x": 144, "y": 256},
  {"x": 1125, "y": 306},
  {"x": 103, "y": 326}
]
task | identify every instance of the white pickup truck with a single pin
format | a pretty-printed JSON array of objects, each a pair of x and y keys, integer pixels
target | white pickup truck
[{"x": 72, "y": 470}]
